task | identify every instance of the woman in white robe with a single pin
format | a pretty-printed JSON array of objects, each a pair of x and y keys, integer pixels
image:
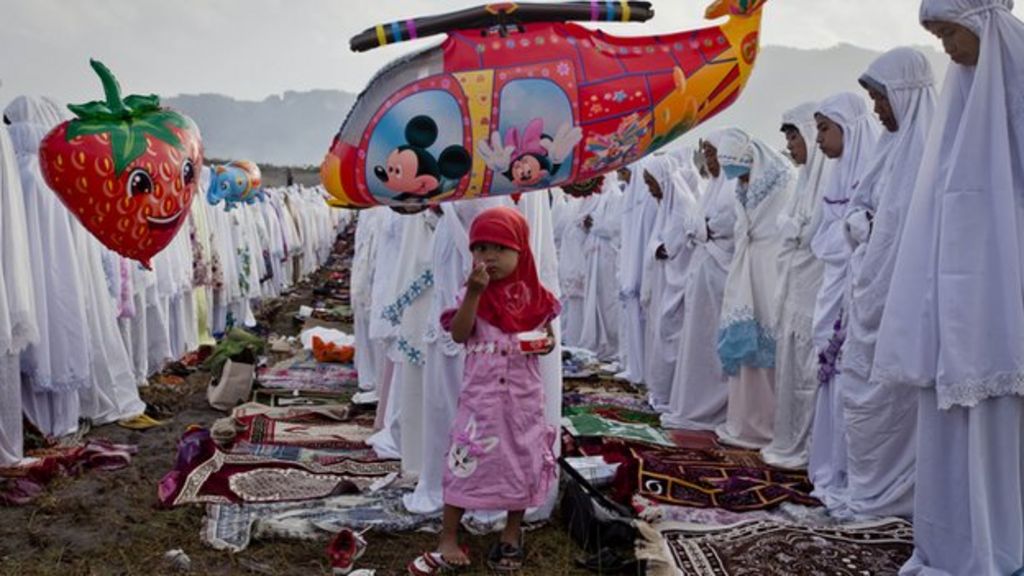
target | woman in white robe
[
  {"x": 639, "y": 212},
  {"x": 660, "y": 176},
  {"x": 847, "y": 133},
  {"x": 601, "y": 304},
  {"x": 362, "y": 302},
  {"x": 746, "y": 339},
  {"x": 407, "y": 311},
  {"x": 18, "y": 326},
  {"x": 57, "y": 366},
  {"x": 699, "y": 390},
  {"x": 800, "y": 274},
  {"x": 684, "y": 214},
  {"x": 954, "y": 319},
  {"x": 881, "y": 420},
  {"x": 572, "y": 266}
]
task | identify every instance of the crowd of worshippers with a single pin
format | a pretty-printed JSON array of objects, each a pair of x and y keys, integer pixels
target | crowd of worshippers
[{"x": 852, "y": 305}]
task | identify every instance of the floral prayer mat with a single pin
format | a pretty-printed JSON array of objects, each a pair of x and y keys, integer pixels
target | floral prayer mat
[{"x": 773, "y": 548}]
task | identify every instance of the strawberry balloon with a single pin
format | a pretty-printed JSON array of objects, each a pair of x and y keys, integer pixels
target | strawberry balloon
[{"x": 126, "y": 168}]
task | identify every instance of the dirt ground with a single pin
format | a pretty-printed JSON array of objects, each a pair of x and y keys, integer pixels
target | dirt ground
[{"x": 107, "y": 523}]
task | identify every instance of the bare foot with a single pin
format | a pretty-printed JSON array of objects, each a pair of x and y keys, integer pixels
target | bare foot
[{"x": 453, "y": 554}]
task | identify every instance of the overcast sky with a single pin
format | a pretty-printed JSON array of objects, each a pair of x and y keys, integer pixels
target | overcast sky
[{"x": 250, "y": 49}]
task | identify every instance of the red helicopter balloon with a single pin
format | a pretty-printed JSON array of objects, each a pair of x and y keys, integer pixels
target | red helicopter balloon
[{"x": 519, "y": 98}]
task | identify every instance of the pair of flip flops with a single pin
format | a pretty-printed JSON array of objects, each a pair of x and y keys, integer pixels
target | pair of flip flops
[{"x": 430, "y": 563}]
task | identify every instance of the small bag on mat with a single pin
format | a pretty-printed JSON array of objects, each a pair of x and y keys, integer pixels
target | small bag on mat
[{"x": 234, "y": 386}]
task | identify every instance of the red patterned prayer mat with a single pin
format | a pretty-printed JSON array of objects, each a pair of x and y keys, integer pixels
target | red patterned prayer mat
[{"x": 708, "y": 476}]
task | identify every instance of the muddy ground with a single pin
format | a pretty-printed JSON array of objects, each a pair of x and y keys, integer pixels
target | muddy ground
[{"x": 107, "y": 523}]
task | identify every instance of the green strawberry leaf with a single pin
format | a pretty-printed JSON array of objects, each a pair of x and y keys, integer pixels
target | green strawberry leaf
[
  {"x": 127, "y": 145},
  {"x": 128, "y": 121},
  {"x": 149, "y": 103},
  {"x": 78, "y": 128},
  {"x": 91, "y": 109},
  {"x": 159, "y": 131}
]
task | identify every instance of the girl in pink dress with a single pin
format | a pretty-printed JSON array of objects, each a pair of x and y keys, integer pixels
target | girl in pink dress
[{"x": 501, "y": 447}]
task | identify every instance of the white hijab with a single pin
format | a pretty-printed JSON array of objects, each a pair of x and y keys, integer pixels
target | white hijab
[
  {"x": 799, "y": 222},
  {"x": 746, "y": 335},
  {"x": 906, "y": 76},
  {"x": 860, "y": 138},
  {"x": 718, "y": 206},
  {"x": 955, "y": 313},
  {"x": 860, "y": 135},
  {"x": 639, "y": 212}
]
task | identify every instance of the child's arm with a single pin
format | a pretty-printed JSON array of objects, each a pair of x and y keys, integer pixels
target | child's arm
[{"x": 465, "y": 318}]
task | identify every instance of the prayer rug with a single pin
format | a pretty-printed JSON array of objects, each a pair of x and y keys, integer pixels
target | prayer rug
[
  {"x": 617, "y": 413},
  {"x": 205, "y": 474},
  {"x": 21, "y": 485},
  {"x": 735, "y": 480},
  {"x": 282, "y": 398},
  {"x": 259, "y": 429},
  {"x": 303, "y": 372},
  {"x": 605, "y": 398},
  {"x": 592, "y": 425},
  {"x": 773, "y": 548},
  {"x": 233, "y": 526}
]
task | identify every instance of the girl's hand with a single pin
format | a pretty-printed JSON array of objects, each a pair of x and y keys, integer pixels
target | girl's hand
[
  {"x": 551, "y": 341},
  {"x": 478, "y": 279}
]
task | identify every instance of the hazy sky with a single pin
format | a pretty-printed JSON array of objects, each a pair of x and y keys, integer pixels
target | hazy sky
[{"x": 250, "y": 49}]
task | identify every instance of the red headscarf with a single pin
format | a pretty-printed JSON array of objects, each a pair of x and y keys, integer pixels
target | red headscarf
[{"x": 518, "y": 303}]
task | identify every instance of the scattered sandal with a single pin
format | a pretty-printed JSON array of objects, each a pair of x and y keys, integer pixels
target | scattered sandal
[
  {"x": 430, "y": 563},
  {"x": 140, "y": 422},
  {"x": 344, "y": 549},
  {"x": 506, "y": 558}
]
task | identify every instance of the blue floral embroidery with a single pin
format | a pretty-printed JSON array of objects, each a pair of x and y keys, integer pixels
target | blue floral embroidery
[
  {"x": 414, "y": 354},
  {"x": 393, "y": 312}
]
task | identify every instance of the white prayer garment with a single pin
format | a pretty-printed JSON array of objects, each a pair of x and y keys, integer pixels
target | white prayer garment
[
  {"x": 699, "y": 391},
  {"x": 361, "y": 289},
  {"x": 408, "y": 313},
  {"x": 746, "y": 339},
  {"x": 18, "y": 326},
  {"x": 664, "y": 245},
  {"x": 953, "y": 324},
  {"x": 881, "y": 418},
  {"x": 57, "y": 366},
  {"x": 639, "y": 211},
  {"x": 800, "y": 274},
  {"x": 573, "y": 266},
  {"x": 827, "y": 461},
  {"x": 683, "y": 214},
  {"x": 601, "y": 304}
]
